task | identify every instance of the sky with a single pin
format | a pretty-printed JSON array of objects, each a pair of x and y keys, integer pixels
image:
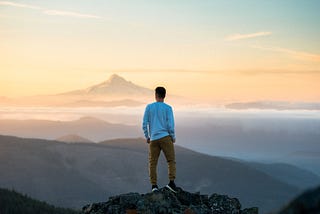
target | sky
[{"x": 220, "y": 50}]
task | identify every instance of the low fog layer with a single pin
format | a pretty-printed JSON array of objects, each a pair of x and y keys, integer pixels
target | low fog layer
[{"x": 269, "y": 136}]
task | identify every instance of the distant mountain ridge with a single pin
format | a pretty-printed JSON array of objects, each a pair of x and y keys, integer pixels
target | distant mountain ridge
[
  {"x": 73, "y": 138},
  {"x": 88, "y": 127},
  {"x": 93, "y": 103},
  {"x": 275, "y": 105},
  {"x": 115, "y": 91},
  {"x": 306, "y": 203},
  {"x": 73, "y": 175},
  {"x": 114, "y": 86}
]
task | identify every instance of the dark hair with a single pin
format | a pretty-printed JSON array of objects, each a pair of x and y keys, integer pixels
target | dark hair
[{"x": 161, "y": 92}]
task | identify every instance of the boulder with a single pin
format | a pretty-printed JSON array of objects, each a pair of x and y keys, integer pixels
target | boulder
[{"x": 166, "y": 202}]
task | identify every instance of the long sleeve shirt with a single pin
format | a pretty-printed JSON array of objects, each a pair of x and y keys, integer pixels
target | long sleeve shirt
[{"x": 158, "y": 121}]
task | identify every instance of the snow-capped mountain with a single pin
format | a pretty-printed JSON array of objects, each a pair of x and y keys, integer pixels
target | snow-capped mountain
[
  {"x": 114, "y": 86},
  {"x": 115, "y": 91}
]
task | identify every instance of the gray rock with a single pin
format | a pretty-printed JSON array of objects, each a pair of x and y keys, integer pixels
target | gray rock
[
  {"x": 222, "y": 204},
  {"x": 166, "y": 202}
]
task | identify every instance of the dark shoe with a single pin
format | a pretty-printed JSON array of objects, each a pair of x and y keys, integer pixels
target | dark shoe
[
  {"x": 154, "y": 188},
  {"x": 172, "y": 187}
]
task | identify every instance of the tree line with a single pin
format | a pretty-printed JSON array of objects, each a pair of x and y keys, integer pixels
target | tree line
[{"x": 12, "y": 202}]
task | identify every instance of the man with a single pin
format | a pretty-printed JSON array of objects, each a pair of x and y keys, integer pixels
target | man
[{"x": 158, "y": 127}]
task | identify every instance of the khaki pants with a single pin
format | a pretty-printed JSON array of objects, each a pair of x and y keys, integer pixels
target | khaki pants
[{"x": 166, "y": 145}]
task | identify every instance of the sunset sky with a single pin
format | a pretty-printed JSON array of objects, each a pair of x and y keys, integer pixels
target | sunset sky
[{"x": 218, "y": 50}]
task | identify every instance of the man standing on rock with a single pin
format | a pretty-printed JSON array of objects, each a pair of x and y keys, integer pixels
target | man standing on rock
[{"x": 158, "y": 127}]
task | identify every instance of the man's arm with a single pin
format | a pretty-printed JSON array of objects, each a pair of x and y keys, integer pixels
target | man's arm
[
  {"x": 145, "y": 124},
  {"x": 171, "y": 129}
]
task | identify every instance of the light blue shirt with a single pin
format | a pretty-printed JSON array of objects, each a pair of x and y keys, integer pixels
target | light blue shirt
[{"x": 158, "y": 121}]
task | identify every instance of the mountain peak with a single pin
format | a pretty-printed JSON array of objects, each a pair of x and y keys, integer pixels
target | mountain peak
[
  {"x": 115, "y": 76},
  {"x": 73, "y": 138},
  {"x": 116, "y": 79},
  {"x": 117, "y": 85},
  {"x": 114, "y": 86}
]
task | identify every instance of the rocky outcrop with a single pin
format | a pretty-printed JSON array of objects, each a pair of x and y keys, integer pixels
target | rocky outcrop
[{"x": 166, "y": 202}]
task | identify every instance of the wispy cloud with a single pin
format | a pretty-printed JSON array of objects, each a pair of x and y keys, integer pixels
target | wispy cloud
[
  {"x": 14, "y": 4},
  {"x": 70, "y": 13},
  {"x": 235, "y": 37},
  {"x": 51, "y": 12},
  {"x": 296, "y": 54}
]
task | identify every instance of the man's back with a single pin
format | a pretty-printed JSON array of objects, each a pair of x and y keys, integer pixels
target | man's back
[{"x": 158, "y": 118}]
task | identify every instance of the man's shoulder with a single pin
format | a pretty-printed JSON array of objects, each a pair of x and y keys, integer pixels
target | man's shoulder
[
  {"x": 150, "y": 105},
  {"x": 167, "y": 106}
]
